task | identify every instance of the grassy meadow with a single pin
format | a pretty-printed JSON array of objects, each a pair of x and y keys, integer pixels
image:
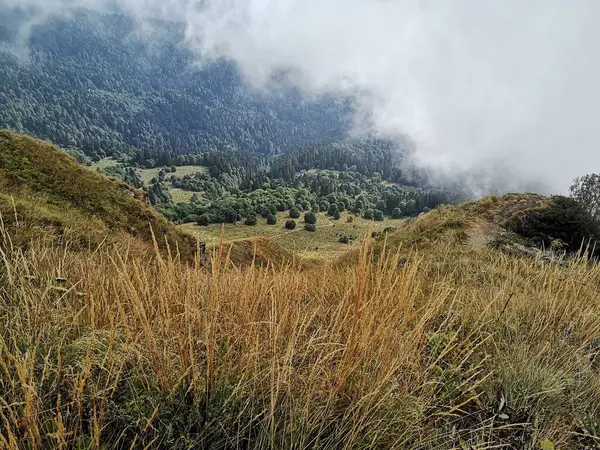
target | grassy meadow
[
  {"x": 146, "y": 175},
  {"x": 323, "y": 243}
]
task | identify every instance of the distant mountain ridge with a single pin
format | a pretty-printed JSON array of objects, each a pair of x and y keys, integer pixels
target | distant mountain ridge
[{"x": 93, "y": 82}]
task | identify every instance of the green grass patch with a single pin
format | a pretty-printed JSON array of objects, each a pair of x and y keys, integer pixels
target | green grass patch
[{"x": 323, "y": 243}]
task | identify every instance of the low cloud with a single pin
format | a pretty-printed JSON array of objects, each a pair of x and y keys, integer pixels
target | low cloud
[{"x": 507, "y": 89}]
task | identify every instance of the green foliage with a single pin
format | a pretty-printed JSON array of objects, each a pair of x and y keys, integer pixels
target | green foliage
[
  {"x": 127, "y": 174},
  {"x": 333, "y": 208},
  {"x": 336, "y": 215},
  {"x": 396, "y": 213},
  {"x": 310, "y": 217},
  {"x": 290, "y": 224},
  {"x": 158, "y": 194},
  {"x": 378, "y": 215},
  {"x": 368, "y": 214},
  {"x": 294, "y": 213},
  {"x": 347, "y": 239},
  {"x": 251, "y": 221},
  {"x": 564, "y": 219},
  {"x": 586, "y": 191},
  {"x": 204, "y": 220},
  {"x": 310, "y": 227},
  {"x": 271, "y": 219},
  {"x": 92, "y": 83}
]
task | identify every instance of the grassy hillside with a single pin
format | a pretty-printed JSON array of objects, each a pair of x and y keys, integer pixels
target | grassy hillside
[
  {"x": 435, "y": 338},
  {"x": 55, "y": 197}
]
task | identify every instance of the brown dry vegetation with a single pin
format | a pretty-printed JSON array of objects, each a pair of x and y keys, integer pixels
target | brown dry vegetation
[
  {"x": 426, "y": 339},
  {"x": 462, "y": 346}
]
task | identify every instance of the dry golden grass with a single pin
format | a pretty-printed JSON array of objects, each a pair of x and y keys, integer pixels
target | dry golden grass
[{"x": 460, "y": 347}]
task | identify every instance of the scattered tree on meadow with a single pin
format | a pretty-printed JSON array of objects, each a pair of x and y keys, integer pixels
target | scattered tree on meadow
[
  {"x": 272, "y": 219},
  {"x": 294, "y": 213},
  {"x": 290, "y": 224},
  {"x": 310, "y": 227},
  {"x": 310, "y": 217}
]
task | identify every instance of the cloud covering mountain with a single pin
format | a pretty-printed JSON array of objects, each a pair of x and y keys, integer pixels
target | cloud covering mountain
[{"x": 499, "y": 87}]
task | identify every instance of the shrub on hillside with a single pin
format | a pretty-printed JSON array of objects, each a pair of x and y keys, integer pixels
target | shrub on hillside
[
  {"x": 204, "y": 220},
  {"x": 271, "y": 219},
  {"x": 396, "y": 213},
  {"x": 378, "y": 215},
  {"x": 290, "y": 224},
  {"x": 251, "y": 221},
  {"x": 368, "y": 214},
  {"x": 310, "y": 227},
  {"x": 564, "y": 219},
  {"x": 294, "y": 213},
  {"x": 586, "y": 190},
  {"x": 310, "y": 217}
]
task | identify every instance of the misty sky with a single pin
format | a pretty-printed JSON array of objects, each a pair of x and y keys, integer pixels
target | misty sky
[{"x": 476, "y": 84}]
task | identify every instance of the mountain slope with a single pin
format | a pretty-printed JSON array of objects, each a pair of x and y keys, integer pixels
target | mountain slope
[
  {"x": 98, "y": 83},
  {"x": 54, "y": 196}
]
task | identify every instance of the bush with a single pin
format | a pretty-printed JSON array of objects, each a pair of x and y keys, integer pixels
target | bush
[
  {"x": 310, "y": 227},
  {"x": 290, "y": 224},
  {"x": 251, "y": 221},
  {"x": 336, "y": 215},
  {"x": 271, "y": 219},
  {"x": 368, "y": 214},
  {"x": 564, "y": 219},
  {"x": 310, "y": 217},
  {"x": 396, "y": 213},
  {"x": 333, "y": 208},
  {"x": 586, "y": 191},
  {"x": 294, "y": 213},
  {"x": 204, "y": 220},
  {"x": 378, "y": 215}
]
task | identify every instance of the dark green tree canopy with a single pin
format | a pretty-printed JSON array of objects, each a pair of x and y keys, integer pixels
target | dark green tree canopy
[{"x": 310, "y": 217}]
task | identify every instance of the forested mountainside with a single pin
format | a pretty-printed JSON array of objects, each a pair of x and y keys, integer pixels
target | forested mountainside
[{"x": 97, "y": 83}]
